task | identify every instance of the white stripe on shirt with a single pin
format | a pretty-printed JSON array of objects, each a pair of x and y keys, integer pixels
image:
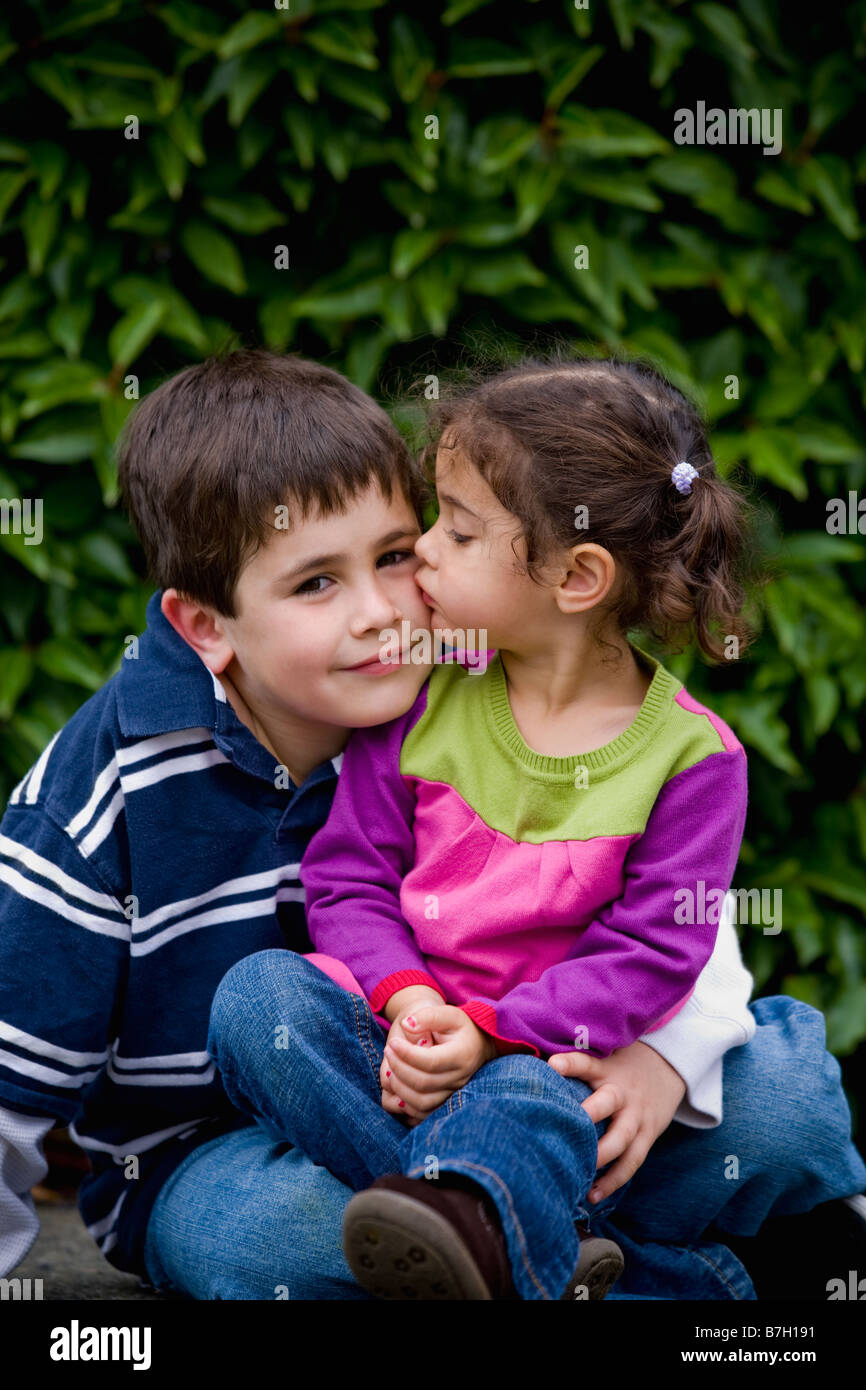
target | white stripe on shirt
[
  {"x": 47, "y": 1075},
  {"x": 247, "y": 883},
  {"x": 233, "y": 912},
  {"x": 46, "y": 869},
  {"x": 38, "y": 894},
  {"x": 39, "y": 771},
  {"x": 29, "y": 1042}
]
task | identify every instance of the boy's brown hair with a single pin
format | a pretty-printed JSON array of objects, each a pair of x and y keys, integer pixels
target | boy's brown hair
[{"x": 206, "y": 458}]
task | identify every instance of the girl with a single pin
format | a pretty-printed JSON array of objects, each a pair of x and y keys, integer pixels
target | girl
[{"x": 534, "y": 857}]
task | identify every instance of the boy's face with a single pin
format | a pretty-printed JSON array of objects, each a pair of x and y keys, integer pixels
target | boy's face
[{"x": 311, "y": 604}]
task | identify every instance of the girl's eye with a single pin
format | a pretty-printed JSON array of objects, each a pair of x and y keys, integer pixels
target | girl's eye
[
  {"x": 457, "y": 538},
  {"x": 304, "y": 589}
]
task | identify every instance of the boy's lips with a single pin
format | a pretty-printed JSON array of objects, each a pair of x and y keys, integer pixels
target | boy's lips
[{"x": 375, "y": 660}]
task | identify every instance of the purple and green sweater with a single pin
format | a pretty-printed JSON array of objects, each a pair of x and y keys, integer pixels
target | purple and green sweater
[{"x": 536, "y": 893}]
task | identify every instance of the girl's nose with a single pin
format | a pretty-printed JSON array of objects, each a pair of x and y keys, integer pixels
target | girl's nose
[{"x": 424, "y": 546}]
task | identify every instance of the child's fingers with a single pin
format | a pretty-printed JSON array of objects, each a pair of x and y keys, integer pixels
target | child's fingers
[
  {"x": 391, "y": 1103},
  {"x": 436, "y": 1061},
  {"x": 629, "y": 1146},
  {"x": 603, "y": 1103},
  {"x": 403, "y": 1073},
  {"x": 433, "y": 1018}
]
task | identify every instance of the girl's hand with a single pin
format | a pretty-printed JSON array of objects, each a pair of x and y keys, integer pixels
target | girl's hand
[
  {"x": 640, "y": 1090},
  {"x": 424, "y": 1080}
]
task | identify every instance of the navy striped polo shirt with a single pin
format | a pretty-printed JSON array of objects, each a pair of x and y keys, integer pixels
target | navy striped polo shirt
[{"x": 146, "y": 851}]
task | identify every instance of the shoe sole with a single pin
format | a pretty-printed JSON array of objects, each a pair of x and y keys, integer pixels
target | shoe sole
[
  {"x": 401, "y": 1249},
  {"x": 600, "y": 1265}
]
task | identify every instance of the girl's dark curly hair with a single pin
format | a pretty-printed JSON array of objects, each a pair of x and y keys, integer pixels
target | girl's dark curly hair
[{"x": 554, "y": 433}]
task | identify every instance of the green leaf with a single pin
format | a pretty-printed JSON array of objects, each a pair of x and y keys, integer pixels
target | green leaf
[
  {"x": 571, "y": 75},
  {"x": 357, "y": 90},
  {"x": 348, "y": 43},
  {"x": 487, "y": 58},
  {"x": 600, "y": 134},
  {"x": 779, "y": 186},
  {"x": 255, "y": 72},
  {"x": 100, "y": 555},
  {"x": 254, "y": 28},
  {"x": 39, "y": 223},
  {"x": 299, "y": 128},
  {"x": 248, "y": 213},
  {"x": 29, "y": 343},
  {"x": 757, "y": 721},
  {"x": 59, "y": 438},
  {"x": 728, "y": 29},
  {"x": 412, "y": 57},
  {"x": 11, "y": 183},
  {"x": 827, "y": 177},
  {"x": 214, "y": 255},
  {"x": 68, "y": 323},
  {"x": 500, "y": 273},
  {"x": 170, "y": 163},
  {"x": 623, "y": 187},
  {"x": 132, "y": 333},
  {"x": 195, "y": 24},
  {"x": 362, "y": 300},
  {"x": 16, "y": 670},
  {"x": 412, "y": 247},
  {"x": 66, "y": 659},
  {"x": 807, "y": 549}
]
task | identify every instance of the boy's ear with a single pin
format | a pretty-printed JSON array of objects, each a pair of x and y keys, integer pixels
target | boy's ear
[
  {"x": 589, "y": 578},
  {"x": 200, "y": 628}
]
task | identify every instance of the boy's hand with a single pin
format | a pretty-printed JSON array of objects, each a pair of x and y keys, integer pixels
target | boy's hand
[
  {"x": 640, "y": 1090},
  {"x": 425, "y": 1079}
]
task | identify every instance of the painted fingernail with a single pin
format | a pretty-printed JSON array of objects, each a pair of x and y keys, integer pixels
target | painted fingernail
[
  {"x": 402, "y": 1103},
  {"x": 411, "y": 1022},
  {"x": 422, "y": 1042},
  {"x": 387, "y": 1073}
]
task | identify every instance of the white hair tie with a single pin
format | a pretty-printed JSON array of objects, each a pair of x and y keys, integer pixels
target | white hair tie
[{"x": 683, "y": 475}]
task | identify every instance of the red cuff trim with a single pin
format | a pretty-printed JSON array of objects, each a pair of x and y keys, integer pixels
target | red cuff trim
[
  {"x": 401, "y": 979},
  {"x": 484, "y": 1016}
]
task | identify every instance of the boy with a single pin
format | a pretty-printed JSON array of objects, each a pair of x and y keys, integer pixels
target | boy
[{"x": 155, "y": 844}]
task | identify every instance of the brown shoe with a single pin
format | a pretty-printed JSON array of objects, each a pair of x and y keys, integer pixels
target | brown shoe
[
  {"x": 414, "y": 1238},
  {"x": 598, "y": 1267},
  {"x": 410, "y": 1238}
]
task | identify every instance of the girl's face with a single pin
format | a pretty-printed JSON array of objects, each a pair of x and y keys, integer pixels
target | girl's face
[{"x": 470, "y": 576}]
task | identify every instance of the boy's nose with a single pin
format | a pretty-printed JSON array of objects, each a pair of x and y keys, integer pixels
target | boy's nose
[{"x": 377, "y": 611}]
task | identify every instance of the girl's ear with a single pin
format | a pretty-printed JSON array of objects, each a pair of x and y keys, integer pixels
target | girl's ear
[
  {"x": 200, "y": 629},
  {"x": 589, "y": 577}
]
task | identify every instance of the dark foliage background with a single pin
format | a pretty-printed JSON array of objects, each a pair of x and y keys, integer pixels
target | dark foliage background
[{"x": 307, "y": 127}]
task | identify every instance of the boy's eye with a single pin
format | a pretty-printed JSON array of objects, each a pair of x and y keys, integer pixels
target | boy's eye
[
  {"x": 457, "y": 538},
  {"x": 304, "y": 588},
  {"x": 398, "y": 554}
]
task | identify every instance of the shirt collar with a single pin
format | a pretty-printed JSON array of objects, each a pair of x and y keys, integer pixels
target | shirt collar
[{"x": 165, "y": 686}]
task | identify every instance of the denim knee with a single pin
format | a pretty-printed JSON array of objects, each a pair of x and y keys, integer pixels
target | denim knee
[
  {"x": 259, "y": 990},
  {"x": 531, "y": 1078},
  {"x": 786, "y": 1072}
]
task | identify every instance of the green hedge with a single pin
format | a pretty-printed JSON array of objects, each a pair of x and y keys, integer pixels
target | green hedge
[{"x": 308, "y": 128}]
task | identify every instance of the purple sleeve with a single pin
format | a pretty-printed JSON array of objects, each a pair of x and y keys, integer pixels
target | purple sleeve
[
  {"x": 638, "y": 959},
  {"x": 354, "y": 866}
]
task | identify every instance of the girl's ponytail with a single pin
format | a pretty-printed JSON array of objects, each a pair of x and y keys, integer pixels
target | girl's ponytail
[{"x": 699, "y": 582}]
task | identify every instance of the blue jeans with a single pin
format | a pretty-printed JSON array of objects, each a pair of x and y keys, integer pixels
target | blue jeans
[{"x": 257, "y": 1213}]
